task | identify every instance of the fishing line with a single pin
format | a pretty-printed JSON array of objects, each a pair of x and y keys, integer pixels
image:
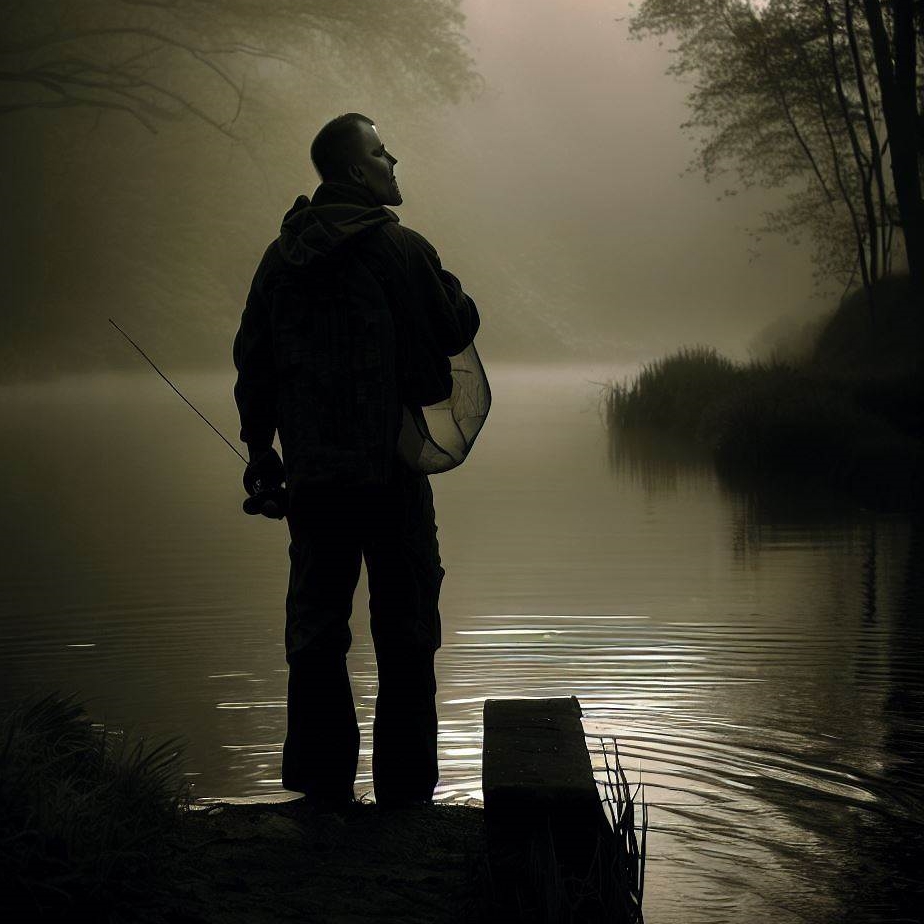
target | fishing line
[{"x": 188, "y": 402}]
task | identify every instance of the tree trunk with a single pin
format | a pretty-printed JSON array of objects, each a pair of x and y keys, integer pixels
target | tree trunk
[
  {"x": 872, "y": 135},
  {"x": 899, "y": 106},
  {"x": 864, "y": 168}
]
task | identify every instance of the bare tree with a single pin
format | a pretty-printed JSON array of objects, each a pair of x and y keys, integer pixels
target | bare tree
[
  {"x": 160, "y": 60},
  {"x": 787, "y": 92}
]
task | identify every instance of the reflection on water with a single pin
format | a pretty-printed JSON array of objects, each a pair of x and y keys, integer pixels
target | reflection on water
[{"x": 757, "y": 659}]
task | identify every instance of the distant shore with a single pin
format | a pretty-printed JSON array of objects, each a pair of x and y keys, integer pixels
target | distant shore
[{"x": 848, "y": 414}]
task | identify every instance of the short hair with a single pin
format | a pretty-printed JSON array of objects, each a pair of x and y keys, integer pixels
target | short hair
[{"x": 333, "y": 145}]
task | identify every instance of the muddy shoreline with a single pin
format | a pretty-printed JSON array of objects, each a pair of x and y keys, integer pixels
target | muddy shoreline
[{"x": 263, "y": 862}]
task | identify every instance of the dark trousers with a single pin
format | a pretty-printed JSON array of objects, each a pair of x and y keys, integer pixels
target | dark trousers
[{"x": 332, "y": 529}]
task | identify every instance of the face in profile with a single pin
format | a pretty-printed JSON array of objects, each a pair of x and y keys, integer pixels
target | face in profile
[{"x": 373, "y": 167}]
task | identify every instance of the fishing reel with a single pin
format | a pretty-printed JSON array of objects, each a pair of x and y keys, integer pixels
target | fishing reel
[
  {"x": 264, "y": 482},
  {"x": 272, "y": 504}
]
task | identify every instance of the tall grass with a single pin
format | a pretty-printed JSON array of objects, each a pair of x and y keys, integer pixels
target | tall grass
[
  {"x": 776, "y": 419},
  {"x": 627, "y": 872},
  {"x": 849, "y": 409},
  {"x": 670, "y": 393},
  {"x": 86, "y": 814}
]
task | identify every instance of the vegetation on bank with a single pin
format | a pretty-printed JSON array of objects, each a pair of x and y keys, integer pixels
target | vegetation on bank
[
  {"x": 96, "y": 827},
  {"x": 86, "y": 815},
  {"x": 850, "y": 411}
]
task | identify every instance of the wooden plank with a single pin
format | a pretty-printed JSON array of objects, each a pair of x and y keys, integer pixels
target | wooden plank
[{"x": 541, "y": 801}]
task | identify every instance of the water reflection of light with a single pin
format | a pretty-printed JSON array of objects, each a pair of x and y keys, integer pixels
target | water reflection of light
[
  {"x": 265, "y": 705},
  {"x": 510, "y": 632}
]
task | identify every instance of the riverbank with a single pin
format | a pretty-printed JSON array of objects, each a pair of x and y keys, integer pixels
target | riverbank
[
  {"x": 98, "y": 828},
  {"x": 849, "y": 413},
  {"x": 256, "y": 863}
]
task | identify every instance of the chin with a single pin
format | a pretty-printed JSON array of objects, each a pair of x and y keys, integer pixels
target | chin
[{"x": 390, "y": 198}]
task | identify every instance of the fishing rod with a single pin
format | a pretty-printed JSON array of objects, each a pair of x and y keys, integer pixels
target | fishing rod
[{"x": 188, "y": 402}]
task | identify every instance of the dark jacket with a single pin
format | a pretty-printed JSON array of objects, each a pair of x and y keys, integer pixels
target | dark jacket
[{"x": 350, "y": 317}]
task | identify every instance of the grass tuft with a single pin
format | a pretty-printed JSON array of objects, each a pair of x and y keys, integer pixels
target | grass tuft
[
  {"x": 670, "y": 393},
  {"x": 86, "y": 812},
  {"x": 627, "y": 874}
]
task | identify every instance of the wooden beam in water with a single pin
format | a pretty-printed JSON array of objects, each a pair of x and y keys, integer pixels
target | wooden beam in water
[{"x": 543, "y": 813}]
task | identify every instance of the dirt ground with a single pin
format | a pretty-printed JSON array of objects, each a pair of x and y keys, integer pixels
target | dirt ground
[{"x": 259, "y": 863}]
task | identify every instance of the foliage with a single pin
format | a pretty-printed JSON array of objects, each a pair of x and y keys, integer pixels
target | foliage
[
  {"x": 85, "y": 811},
  {"x": 853, "y": 340},
  {"x": 671, "y": 393},
  {"x": 784, "y": 421},
  {"x": 158, "y": 60},
  {"x": 854, "y": 425},
  {"x": 788, "y": 93}
]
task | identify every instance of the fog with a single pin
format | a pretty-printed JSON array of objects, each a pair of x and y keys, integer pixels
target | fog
[
  {"x": 557, "y": 193},
  {"x": 755, "y": 652}
]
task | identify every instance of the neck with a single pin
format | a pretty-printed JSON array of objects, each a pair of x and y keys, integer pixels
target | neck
[{"x": 334, "y": 191}]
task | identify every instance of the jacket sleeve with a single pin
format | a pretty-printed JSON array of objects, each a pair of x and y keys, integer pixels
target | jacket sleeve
[
  {"x": 452, "y": 314},
  {"x": 255, "y": 388}
]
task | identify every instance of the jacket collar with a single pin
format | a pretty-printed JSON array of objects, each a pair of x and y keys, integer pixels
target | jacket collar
[{"x": 348, "y": 193}]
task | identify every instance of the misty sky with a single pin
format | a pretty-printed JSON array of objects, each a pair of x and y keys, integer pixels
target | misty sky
[
  {"x": 557, "y": 196},
  {"x": 578, "y": 137}
]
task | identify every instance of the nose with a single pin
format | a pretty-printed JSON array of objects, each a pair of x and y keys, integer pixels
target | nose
[{"x": 392, "y": 159}]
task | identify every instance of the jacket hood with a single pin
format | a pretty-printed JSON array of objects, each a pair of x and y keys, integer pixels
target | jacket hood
[{"x": 338, "y": 213}]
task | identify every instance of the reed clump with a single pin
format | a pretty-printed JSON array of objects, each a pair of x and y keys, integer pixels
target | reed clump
[
  {"x": 857, "y": 425},
  {"x": 670, "y": 393},
  {"x": 86, "y": 814}
]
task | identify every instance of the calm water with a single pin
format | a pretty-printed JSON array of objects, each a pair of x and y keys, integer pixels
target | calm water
[{"x": 758, "y": 661}]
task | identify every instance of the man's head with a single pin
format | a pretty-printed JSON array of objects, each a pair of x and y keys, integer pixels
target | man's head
[{"x": 348, "y": 150}]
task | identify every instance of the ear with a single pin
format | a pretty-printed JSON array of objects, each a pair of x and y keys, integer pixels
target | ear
[{"x": 357, "y": 175}]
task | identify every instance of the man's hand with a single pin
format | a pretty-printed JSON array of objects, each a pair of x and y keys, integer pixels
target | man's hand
[{"x": 264, "y": 480}]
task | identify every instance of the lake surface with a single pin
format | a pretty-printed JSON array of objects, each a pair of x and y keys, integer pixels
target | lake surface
[{"x": 759, "y": 660}]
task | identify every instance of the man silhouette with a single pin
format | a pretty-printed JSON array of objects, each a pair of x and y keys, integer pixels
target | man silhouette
[{"x": 349, "y": 323}]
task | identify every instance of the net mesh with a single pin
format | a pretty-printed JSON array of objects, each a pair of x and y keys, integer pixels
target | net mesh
[{"x": 439, "y": 437}]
